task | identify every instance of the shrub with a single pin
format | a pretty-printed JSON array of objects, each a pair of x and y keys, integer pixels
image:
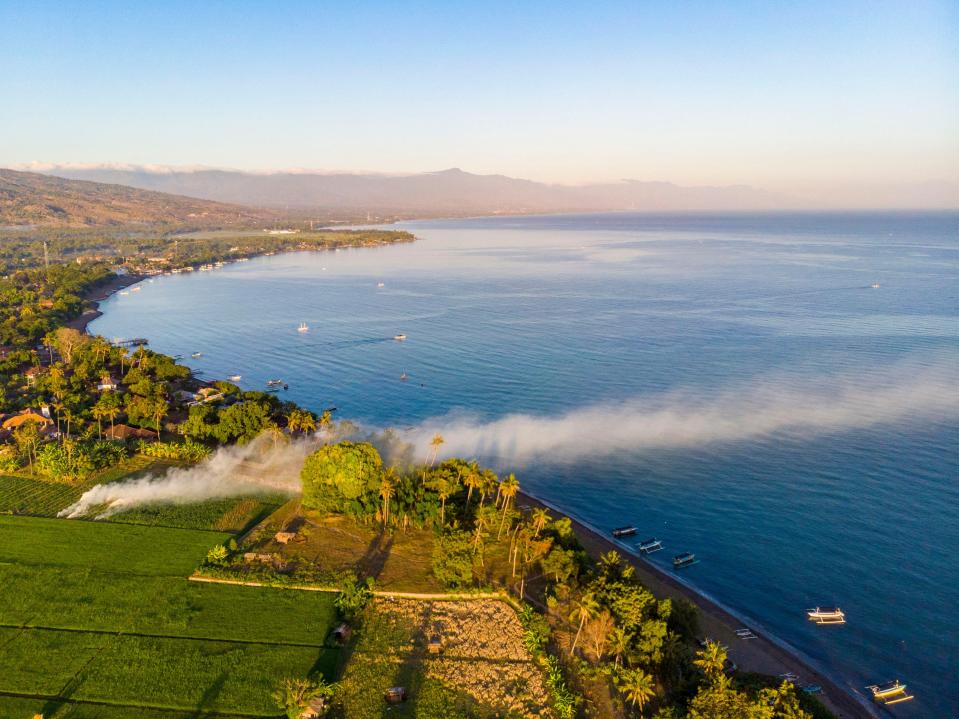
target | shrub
[{"x": 453, "y": 559}]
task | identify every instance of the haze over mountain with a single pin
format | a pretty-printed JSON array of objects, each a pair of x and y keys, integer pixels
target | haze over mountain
[
  {"x": 451, "y": 191},
  {"x": 28, "y": 198}
]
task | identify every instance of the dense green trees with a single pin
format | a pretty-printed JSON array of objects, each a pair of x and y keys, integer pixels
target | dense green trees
[{"x": 338, "y": 477}]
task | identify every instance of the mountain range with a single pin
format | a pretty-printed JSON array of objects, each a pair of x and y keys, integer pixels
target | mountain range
[{"x": 448, "y": 192}]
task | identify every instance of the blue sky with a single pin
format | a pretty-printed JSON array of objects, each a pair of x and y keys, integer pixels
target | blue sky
[{"x": 775, "y": 94}]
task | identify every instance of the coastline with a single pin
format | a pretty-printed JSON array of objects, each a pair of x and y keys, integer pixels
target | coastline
[
  {"x": 97, "y": 295},
  {"x": 765, "y": 655}
]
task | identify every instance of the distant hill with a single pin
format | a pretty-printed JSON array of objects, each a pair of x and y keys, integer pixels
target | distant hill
[
  {"x": 28, "y": 198},
  {"x": 449, "y": 192}
]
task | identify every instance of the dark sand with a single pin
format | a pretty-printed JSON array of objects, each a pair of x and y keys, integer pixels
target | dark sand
[
  {"x": 97, "y": 295},
  {"x": 761, "y": 655}
]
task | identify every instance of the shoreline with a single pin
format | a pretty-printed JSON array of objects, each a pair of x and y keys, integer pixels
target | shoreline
[
  {"x": 96, "y": 296},
  {"x": 766, "y": 655}
]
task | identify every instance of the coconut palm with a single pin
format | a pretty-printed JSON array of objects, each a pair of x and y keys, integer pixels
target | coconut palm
[
  {"x": 619, "y": 641},
  {"x": 539, "y": 519},
  {"x": 637, "y": 687},
  {"x": 472, "y": 479},
  {"x": 508, "y": 489},
  {"x": 711, "y": 659},
  {"x": 299, "y": 420},
  {"x": 387, "y": 489},
  {"x": 584, "y": 609},
  {"x": 435, "y": 447}
]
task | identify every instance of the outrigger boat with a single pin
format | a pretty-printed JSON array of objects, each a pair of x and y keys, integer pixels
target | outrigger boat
[
  {"x": 684, "y": 559},
  {"x": 274, "y": 382},
  {"x": 399, "y": 338},
  {"x": 648, "y": 546},
  {"x": 624, "y": 532},
  {"x": 195, "y": 355},
  {"x": 892, "y": 692},
  {"x": 826, "y": 615},
  {"x": 303, "y": 327},
  {"x": 235, "y": 378}
]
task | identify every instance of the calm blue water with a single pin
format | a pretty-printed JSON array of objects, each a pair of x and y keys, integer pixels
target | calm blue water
[{"x": 685, "y": 326}]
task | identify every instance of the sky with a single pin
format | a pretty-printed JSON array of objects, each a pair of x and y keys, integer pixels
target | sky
[{"x": 788, "y": 96}]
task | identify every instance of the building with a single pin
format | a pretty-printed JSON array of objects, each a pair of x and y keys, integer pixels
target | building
[
  {"x": 124, "y": 432},
  {"x": 28, "y": 415},
  {"x": 107, "y": 384}
]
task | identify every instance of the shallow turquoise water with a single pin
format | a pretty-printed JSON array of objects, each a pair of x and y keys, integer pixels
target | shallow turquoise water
[{"x": 730, "y": 383}]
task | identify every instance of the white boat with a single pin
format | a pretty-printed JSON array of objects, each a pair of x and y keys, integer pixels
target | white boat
[
  {"x": 124, "y": 292},
  {"x": 684, "y": 560},
  {"x": 892, "y": 692},
  {"x": 235, "y": 377},
  {"x": 403, "y": 377},
  {"x": 648, "y": 546},
  {"x": 303, "y": 327},
  {"x": 399, "y": 338},
  {"x": 380, "y": 284},
  {"x": 195, "y": 355},
  {"x": 137, "y": 289},
  {"x": 274, "y": 382},
  {"x": 875, "y": 285},
  {"x": 826, "y": 615}
]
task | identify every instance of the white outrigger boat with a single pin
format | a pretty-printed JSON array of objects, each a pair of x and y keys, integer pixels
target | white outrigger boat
[
  {"x": 648, "y": 546},
  {"x": 235, "y": 377},
  {"x": 303, "y": 327},
  {"x": 826, "y": 615},
  {"x": 892, "y": 692},
  {"x": 684, "y": 560},
  {"x": 399, "y": 338}
]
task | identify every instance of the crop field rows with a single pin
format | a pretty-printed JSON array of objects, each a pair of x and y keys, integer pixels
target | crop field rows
[{"x": 98, "y": 619}]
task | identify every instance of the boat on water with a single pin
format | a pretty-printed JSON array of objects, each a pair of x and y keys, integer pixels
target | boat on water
[
  {"x": 303, "y": 327},
  {"x": 274, "y": 382},
  {"x": 136, "y": 289},
  {"x": 195, "y": 355},
  {"x": 404, "y": 377},
  {"x": 381, "y": 284},
  {"x": 875, "y": 285},
  {"x": 235, "y": 377},
  {"x": 892, "y": 692},
  {"x": 124, "y": 292},
  {"x": 826, "y": 615},
  {"x": 812, "y": 689},
  {"x": 684, "y": 560},
  {"x": 648, "y": 546},
  {"x": 624, "y": 532},
  {"x": 399, "y": 338}
]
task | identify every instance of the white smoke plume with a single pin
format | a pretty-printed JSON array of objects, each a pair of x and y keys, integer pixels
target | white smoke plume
[
  {"x": 908, "y": 392},
  {"x": 255, "y": 468}
]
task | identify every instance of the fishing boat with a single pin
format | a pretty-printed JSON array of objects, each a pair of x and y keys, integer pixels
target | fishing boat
[
  {"x": 648, "y": 546},
  {"x": 404, "y": 377},
  {"x": 235, "y": 377},
  {"x": 196, "y": 355},
  {"x": 274, "y": 382},
  {"x": 303, "y": 327},
  {"x": 826, "y": 615},
  {"x": 124, "y": 292},
  {"x": 875, "y": 285},
  {"x": 136, "y": 289},
  {"x": 892, "y": 692},
  {"x": 624, "y": 532},
  {"x": 381, "y": 284},
  {"x": 399, "y": 338},
  {"x": 812, "y": 689},
  {"x": 684, "y": 560}
]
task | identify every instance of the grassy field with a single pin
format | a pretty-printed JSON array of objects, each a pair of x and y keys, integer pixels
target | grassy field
[
  {"x": 224, "y": 515},
  {"x": 99, "y": 619},
  {"x": 483, "y": 670}
]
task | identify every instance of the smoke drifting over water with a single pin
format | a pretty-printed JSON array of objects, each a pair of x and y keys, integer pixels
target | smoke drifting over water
[
  {"x": 760, "y": 408},
  {"x": 254, "y": 468}
]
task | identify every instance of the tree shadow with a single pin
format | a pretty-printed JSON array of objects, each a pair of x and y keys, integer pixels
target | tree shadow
[
  {"x": 210, "y": 696},
  {"x": 377, "y": 553}
]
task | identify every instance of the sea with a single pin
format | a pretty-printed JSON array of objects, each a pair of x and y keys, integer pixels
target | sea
[{"x": 777, "y": 393}]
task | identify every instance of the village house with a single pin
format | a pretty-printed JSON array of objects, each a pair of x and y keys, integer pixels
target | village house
[
  {"x": 124, "y": 432},
  {"x": 107, "y": 384},
  {"x": 15, "y": 421}
]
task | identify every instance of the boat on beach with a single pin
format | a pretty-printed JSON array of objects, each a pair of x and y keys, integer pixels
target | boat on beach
[
  {"x": 624, "y": 531},
  {"x": 826, "y": 615},
  {"x": 648, "y": 546},
  {"x": 888, "y": 693},
  {"x": 684, "y": 560}
]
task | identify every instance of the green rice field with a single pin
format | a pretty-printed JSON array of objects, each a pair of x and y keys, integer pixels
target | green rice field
[{"x": 98, "y": 619}]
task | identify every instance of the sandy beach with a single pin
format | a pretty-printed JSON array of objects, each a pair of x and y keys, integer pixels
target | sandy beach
[
  {"x": 99, "y": 294},
  {"x": 763, "y": 655}
]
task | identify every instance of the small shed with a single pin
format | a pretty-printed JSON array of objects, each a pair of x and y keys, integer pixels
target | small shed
[
  {"x": 285, "y": 537},
  {"x": 395, "y": 695},
  {"x": 435, "y": 644}
]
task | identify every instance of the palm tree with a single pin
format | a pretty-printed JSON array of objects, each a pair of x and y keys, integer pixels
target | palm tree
[
  {"x": 299, "y": 420},
  {"x": 539, "y": 520},
  {"x": 619, "y": 641},
  {"x": 508, "y": 489},
  {"x": 711, "y": 659},
  {"x": 435, "y": 447},
  {"x": 638, "y": 687},
  {"x": 326, "y": 420},
  {"x": 160, "y": 407},
  {"x": 98, "y": 415},
  {"x": 387, "y": 488},
  {"x": 473, "y": 479},
  {"x": 584, "y": 610},
  {"x": 610, "y": 561}
]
